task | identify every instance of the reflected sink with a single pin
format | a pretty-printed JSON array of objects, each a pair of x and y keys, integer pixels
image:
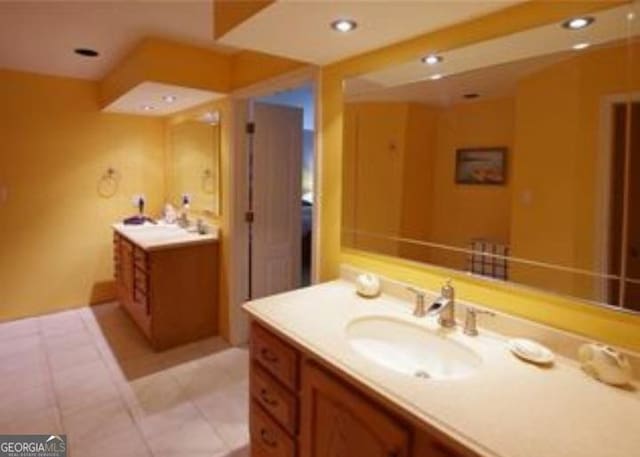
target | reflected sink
[
  {"x": 155, "y": 231},
  {"x": 412, "y": 350}
]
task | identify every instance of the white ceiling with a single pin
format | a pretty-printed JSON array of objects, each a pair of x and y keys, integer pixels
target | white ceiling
[
  {"x": 39, "y": 36},
  {"x": 150, "y": 93},
  {"x": 492, "y": 67},
  {"x": 301, "y": 29},
  {"x": 491, "y": 82}
]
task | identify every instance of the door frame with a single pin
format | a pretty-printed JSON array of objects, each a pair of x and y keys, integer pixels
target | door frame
[
  {"x": 239, "y": 249},
  {"x": 603, "y": 187}
]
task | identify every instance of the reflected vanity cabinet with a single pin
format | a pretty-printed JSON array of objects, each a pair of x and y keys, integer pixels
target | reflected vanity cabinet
[
  {"x": 171, "y": 293},
  {"x": 301, "y": 407}
]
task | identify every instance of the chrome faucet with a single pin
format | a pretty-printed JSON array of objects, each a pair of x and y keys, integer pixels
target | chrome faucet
[
  {"x": 444, "y": 306},
  {"x": 471, "y": 320},
  {"x": 420, "y": 309}
]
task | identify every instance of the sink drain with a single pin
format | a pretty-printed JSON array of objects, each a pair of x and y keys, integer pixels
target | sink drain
[{"x": 422, "y": 374}]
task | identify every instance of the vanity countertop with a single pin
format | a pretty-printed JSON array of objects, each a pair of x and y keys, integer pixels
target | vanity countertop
[
  {"x": 508, "y": 408},
  {"x": 152, "y": 237}
]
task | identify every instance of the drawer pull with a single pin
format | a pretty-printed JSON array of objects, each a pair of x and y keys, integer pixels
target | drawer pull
[
  {"x": 268, "y": 355},
  {"x": 266, "y": 439},
  {"x": 264, "y": 396}
]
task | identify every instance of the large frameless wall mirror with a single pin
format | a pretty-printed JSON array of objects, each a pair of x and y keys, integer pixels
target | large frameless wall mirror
[
  {"x": 516, "y": 159},
  {"x": 193, "y": 162}
]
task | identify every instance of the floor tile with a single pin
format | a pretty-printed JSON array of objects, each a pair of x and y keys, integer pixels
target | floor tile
[
  {"x": 42, "y": 422},
  {"x": 91, "y": 374},
  {"x": 200, "y": 379},
  {"x": 18, "y": 328},
  {"x": 20, "y": 346},
  {"x": 96, "y": 421},
  {"x": 154, "y": 393},
  {"x": 244, "y": 451},
  {"x": 83, "y": 386},
  {"x": 125, "y": 443},
  {"x": 23, "y": 370},
  {"x": 73, "y": 357},
  {"x": 62, "y": 341},
  {"x": 233, "y": 362},
  {"x": 193, "y": 439},
  {"x": 227, "y": 410},
  {"x": 23, "y": 404},
  {"x": 61, "y": 323}
]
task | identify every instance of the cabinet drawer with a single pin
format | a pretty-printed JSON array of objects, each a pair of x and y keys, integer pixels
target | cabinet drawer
[
  {"x": 275, "y": 355},
  {"x": 141, "y": 280},
  {"x": 140, "y": 259},
  {"x": 267, "y": 438},
  {"x": 278, "y": 401},
  {"x": 141, "y": 299}
]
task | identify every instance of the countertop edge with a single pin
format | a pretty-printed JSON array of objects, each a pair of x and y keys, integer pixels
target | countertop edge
[{"x": 166, "y": 244}]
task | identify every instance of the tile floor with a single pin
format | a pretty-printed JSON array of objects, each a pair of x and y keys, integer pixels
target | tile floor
[{"x": 89, "y": 373}]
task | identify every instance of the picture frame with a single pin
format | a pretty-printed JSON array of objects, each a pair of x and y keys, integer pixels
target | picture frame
[{"x": 481, "y": 166}]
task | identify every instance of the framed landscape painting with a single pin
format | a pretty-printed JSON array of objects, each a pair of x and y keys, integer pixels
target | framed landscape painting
[{"x": 481, "y": 166}]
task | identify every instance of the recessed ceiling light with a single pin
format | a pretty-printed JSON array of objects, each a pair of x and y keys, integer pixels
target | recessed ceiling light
[
  {"x": 578, "y": 23},
  {"x": 344, "y": 25},
  {"x": 580, "y": 46},
  {"x": 211, "y": 118},
  {"x": 169, "y": 98},
  {"x": 148, "y": 107},
  {"x": 86, "y": 52},
  {"x": 631, "y": 16},
  {"x": 436, "y": 76},
  {"x": 431, "y": 59},
  {"x": 471, "y": 95}
]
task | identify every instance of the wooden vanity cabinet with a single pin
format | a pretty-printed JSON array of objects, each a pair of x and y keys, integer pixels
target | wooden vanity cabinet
[
  {"x": 170, "y": 293},
  {"x": 301, "y": 408},
  {"x": 338, "y": 421}
]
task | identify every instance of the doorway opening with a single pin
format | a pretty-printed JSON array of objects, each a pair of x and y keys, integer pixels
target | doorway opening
[
  {"x": 624, "y": 198},
  {"x": 280, "y": 177}
]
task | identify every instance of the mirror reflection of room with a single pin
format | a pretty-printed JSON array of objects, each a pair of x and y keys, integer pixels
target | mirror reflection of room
[
  {"x": 508, "y": 161},
  {"x": 192, "y": 163}
]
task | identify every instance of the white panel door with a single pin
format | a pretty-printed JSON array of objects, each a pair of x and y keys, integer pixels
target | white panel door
[{"x": 277, "y": 189}]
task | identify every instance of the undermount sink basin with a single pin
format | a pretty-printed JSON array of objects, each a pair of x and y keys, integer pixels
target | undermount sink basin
[
  {"x": 155, "y": 231},
  {"x": 409, "y": 349}
]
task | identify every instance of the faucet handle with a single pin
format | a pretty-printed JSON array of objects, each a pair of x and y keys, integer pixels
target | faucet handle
[
  {"x": 420, "y": 309},
  {"x": 420, "y": 294},
  {"x": 471, "y": 320}
]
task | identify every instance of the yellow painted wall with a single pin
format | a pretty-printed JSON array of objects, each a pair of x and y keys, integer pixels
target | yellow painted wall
[
  {"x": 462, "y": 212},
  {"x": 400, "y": 179},
  {"x": 378, "y": 155},
  {"x": 421, "y": 134},
  {"x": 556, "y": 168},
  {"x": 571, "y": 315},
  {"x": 55, "y": 236},
  {"x": 250, "y": 67},
  {"x": 191, "y": 152}
]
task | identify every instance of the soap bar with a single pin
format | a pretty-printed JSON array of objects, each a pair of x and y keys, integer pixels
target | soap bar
[{"x": 531, "y": 351}]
